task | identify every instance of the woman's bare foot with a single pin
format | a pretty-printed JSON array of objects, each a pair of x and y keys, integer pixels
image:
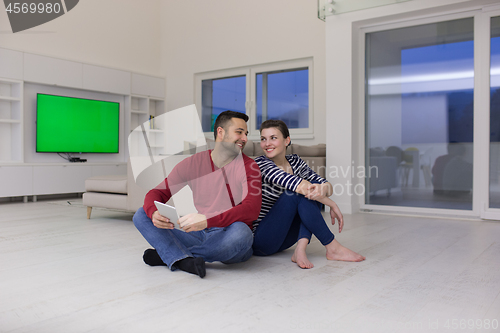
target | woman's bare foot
[
  {"x": 335, "y": 251},
  {"x": 299, "y": 255}
]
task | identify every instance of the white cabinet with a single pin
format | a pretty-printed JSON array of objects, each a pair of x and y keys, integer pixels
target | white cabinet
[
  {"x": 148, "y": 86},
  {"x": 41, "y": 69},
  {"x": 11, "y": 64},
  {"x": 11, "y": 121},
  {"x": 106, "y": 79},
  {"x": 46, "y": 179},
  {"x": 106, "y": 170},
  {"x": 16, "y": 181},
  {"x": 53, "y": 179}
]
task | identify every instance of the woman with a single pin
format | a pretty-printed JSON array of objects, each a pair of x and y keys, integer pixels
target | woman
[{"x": 292, "y": 197}]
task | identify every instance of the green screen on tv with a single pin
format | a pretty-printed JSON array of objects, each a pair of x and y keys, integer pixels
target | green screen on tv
[{"x": 76, "y": 125}]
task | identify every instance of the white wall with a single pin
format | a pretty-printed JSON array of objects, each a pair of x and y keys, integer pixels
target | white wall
[
  {"x": 122, "y": 34},
  {"x": 179, "y": 38},
  {"x": 344, "y": 79},
  {"x": 200, "y": 36}
]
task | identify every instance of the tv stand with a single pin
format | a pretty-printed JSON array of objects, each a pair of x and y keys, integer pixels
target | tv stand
[{"x": 77, "y": 159}]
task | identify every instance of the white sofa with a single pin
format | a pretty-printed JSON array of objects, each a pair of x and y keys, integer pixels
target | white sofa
[
  {"x": 114, "y": 191},
  {"x": 122, "y": 192}
]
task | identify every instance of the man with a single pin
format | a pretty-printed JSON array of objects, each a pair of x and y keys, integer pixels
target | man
[{"x": 226, "y": 186}]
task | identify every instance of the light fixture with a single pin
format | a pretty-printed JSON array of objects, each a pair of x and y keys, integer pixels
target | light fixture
[{"x": 335, "y": 7}]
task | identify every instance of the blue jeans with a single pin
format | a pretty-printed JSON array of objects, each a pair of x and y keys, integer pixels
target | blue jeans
[
  {"x": 230, "y": 245},
  {"x": 291, "y": 218}
]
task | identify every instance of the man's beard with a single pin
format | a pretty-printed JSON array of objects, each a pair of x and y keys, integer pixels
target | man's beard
[{"x": 231, "y": 147}]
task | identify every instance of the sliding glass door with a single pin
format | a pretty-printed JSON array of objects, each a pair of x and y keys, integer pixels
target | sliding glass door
[
  {"x": 432, "y": 115},
  {"x": 419, "y": 115}
]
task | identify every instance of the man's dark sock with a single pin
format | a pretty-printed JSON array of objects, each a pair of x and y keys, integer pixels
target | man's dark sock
[
  {"x": 152, "y": 258},
  {"x": 192, "y": 265}
]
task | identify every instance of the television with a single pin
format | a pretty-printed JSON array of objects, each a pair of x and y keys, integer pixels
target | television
[{"x": 76, "y": 125}]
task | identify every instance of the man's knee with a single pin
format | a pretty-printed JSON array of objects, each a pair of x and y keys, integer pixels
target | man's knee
[
  {"x": 240, "y": 236},
  {"x": 140, "y": 217},
  {"x": 237, "y": 243}
]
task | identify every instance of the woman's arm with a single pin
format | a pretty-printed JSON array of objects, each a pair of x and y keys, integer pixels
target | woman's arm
[
  {"x": 271, "y": 174},
  {"x": 296, "y": 183},
  {"x": 303, "y": 187},
  {"x": 318, "y": 187},
  {"x": 335, "y": 212},
  {"x": 319, "y": 191}
]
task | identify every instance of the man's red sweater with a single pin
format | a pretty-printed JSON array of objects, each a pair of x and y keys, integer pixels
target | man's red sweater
[{"x": 230, "y": 194}]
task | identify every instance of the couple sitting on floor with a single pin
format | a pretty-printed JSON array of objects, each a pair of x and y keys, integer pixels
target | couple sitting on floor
[{"x": 244, "y": 206}]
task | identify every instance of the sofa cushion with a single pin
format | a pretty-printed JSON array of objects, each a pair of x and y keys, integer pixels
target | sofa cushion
[
  {"x": 316, "y": 150},
  {"x": 257, "y": 149},
  {"x": 106, "y": 200},
  {"x": 317, "y": 164},
  {"x": 107, "y": 184}
]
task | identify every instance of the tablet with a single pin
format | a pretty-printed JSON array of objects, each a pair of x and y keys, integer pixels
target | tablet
[{"x": 168, "y": 211}]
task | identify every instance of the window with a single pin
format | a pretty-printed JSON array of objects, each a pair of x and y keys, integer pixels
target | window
[
  {"x": 270, "y": 91},
  {"x": 284, "y": 95},
  {"x": 218, "y": 95}
]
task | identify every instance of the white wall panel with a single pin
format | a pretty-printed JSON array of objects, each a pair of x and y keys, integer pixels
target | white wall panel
[
  {"x": 148, "y": 85},
  {"x": 106, "y": 79},
  {"x": 49, "y": 70},
  {"x": 11, "y": 64}
]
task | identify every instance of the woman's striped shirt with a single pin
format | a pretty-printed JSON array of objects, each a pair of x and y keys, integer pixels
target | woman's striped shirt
[{"x": 275, "y": 181}]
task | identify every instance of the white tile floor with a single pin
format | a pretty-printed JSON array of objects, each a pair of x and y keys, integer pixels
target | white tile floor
[{"x": 60, "y": 272}]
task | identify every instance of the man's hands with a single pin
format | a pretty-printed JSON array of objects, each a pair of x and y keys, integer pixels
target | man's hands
[
  {"x": 336, "y": 214},
  {"x": 188, "y": 223},
  {"x": 161, "y": 221},
  {"x": 193, "y": 222}
]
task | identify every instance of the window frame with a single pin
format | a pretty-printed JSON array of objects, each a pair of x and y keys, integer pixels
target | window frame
[{"x": 250, "y": 73}]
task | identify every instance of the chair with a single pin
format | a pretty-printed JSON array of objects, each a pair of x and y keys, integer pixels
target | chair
[
  {"x": 396, "y": 152},
  {"x": 425, "y": 165},
  {"x": 408, "y": 163}
]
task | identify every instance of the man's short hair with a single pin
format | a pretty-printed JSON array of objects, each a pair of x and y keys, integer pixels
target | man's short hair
[{"x": 224, "y": 117}]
